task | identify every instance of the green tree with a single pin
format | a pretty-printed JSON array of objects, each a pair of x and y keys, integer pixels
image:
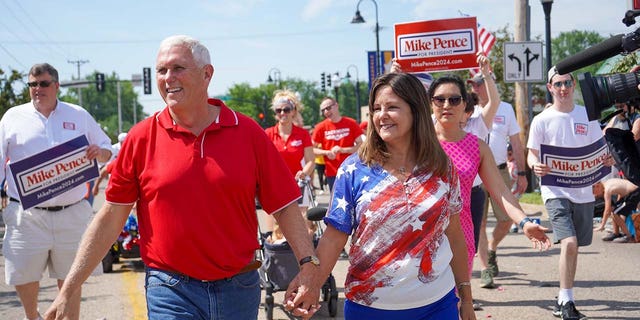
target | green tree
[
  {"x": 9, "y": 95},
  {"x": 569, "y": 43},
  {"x": 255, "y": 101},
  {"x": 103, "y": 106}
]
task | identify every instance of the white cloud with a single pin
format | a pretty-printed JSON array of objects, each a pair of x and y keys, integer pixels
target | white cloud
[{"x": 314, "y": 8}]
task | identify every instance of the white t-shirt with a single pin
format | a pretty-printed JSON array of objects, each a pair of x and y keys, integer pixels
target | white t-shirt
[
  {"x": 476, "y": 126},
  {"x": 24, "y": 132},
  {"x": 504, "y": 126},
  {"x": 571, "y": 129}
]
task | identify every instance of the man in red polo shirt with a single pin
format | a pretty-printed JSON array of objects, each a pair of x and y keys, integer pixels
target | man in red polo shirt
[
  {"x": 335, "y": 138},
  {"x": 194, "y": 170}
]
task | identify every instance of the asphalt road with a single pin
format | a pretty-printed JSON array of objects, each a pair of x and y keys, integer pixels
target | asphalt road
[{"x": 607, "y": 284}]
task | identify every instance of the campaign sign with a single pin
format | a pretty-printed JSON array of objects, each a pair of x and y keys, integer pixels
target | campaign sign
[
  {"x": 575, "y": 167},
  {"x": 437, "y": 45},
  {"x": 52, "y": 172}
]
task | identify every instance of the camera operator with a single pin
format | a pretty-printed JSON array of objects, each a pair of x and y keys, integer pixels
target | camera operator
[
  {"x": 565, "y": 124},
  {"x": 625, "y": 119}
]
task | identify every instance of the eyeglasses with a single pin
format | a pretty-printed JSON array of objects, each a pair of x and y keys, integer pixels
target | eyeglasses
[
  {"x": 453, "y": 101},
  {"x": 285, "y": 110},
  {"x": 327, "y": 108},
  {"x": 42, "y": 84},
  {"x": 566, "y": 83}
]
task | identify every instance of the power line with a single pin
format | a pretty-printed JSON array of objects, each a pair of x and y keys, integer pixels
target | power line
[
  {"x": 10, "y": 55},
  {"x": 42, "y": 31},
  {"x": 78, "y": 63},
  {"x": 224, "y": 37}
]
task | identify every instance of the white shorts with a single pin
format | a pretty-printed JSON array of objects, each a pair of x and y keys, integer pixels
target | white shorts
[{"x": 36, "y": 240}]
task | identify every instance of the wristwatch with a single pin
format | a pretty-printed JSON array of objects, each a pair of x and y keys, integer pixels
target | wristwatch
[
  {"x": 521, "y": 173},
  {"x": 313, "y": 259},
  {"x": 523, "y": 221}
]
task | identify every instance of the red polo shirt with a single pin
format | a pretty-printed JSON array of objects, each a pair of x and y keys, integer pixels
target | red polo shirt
[
  {"x": 196, "y": 195},
  {"x": 342, "y": 133},
  {"x": 291, "y": 150}
]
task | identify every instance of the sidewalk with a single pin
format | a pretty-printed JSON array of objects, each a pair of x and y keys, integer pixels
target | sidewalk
[{"x": 607, "y": 282}]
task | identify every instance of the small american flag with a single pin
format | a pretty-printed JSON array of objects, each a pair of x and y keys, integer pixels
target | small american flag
[{"x": 486, "y": 40}]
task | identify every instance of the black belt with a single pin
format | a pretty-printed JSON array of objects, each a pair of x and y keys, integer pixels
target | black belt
[
  {"x": 54, "y": 208},
  {"x": 253, "y": 265},
  {"x": 502, "y": 166}
]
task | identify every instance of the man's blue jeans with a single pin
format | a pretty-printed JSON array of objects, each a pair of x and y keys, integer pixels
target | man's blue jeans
[{"x": 175, "y": 296}]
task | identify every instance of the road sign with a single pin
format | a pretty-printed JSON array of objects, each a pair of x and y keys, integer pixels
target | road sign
[
  {"x": 523, "y": 61},
  {"x": 136, "y": 80},
  {"x": 76, "y": 84},
  {"x": 146, "y": 76}
]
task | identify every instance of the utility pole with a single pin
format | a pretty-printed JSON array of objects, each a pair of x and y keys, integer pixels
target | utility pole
[
  {"x": 522, "y": 89},
  {"x": 78, "y": 63},
  {"x": 521, "y": 92}
]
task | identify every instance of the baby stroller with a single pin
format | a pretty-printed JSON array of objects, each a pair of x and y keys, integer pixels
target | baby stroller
[
  {"x": 280, "y": 265},
  {"x": 126, "y": 246}
]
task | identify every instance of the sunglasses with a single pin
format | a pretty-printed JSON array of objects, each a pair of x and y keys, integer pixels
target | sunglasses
[
  {"x": 42, "y": 84},
  {"x": 566, "y": 83},
  {"x": 453, "y": 101},
  {"x": 327, "y": 108},
  {"x": 285, "y": 110}
]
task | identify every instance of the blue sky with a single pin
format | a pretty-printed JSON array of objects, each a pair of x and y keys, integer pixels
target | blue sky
[{"x": 248, "y": 38}]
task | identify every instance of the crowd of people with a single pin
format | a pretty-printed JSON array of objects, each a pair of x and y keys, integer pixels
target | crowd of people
[{"x": 411, "y": 190}]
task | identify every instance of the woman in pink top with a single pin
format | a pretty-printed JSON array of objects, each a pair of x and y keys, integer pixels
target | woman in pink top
[{"x": 472, "y": 156}]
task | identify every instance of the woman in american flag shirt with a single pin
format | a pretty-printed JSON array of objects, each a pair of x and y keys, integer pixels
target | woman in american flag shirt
[{"x": 399, "y": 199}]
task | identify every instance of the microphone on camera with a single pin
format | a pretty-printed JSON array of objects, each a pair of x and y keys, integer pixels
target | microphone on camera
[{"x": 603, "y": 50}]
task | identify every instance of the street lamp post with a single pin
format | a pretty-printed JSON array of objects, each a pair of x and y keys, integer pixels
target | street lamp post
[
  {"x": 276, "y": 76},
  {"x": 546, "y": 5},
  {"x": 358, "y": 19},
  {"x": 348, "y": 76}
]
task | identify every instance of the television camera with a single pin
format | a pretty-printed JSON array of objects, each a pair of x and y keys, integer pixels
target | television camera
[{"x": 601, "y": 92}]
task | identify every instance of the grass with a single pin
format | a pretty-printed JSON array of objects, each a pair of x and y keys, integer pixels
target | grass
[{"x": 532, "y": 198}]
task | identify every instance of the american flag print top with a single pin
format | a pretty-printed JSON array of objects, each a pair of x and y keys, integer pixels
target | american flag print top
[{"x": 399, "y": 256}]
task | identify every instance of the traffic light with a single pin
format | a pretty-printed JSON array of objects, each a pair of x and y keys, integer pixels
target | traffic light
[
  {"x": 100, "y": 82},
  {"x": 329, "y": 80},
  {"x": 322, "y": 82},
  {"x": 146, "y": 80}
]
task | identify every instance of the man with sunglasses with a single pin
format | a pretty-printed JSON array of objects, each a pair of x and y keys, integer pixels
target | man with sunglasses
[
  {"x": 45, "y": 236},
  {"x": 335, "y": 138},
  {"x": 565, "y": 124}
]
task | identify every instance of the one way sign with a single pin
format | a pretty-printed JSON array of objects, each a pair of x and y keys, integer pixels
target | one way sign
[{"x": 523, "y": 61}]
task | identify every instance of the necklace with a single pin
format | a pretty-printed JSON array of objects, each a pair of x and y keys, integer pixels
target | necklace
[{"x": 402, "y": 172}]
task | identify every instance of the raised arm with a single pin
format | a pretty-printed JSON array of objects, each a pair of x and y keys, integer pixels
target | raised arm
[{"x": 490, "y": 108}]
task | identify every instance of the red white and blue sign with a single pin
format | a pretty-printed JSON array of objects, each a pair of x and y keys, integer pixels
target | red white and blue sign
[
  {"x": 52, "y": 172},
  {"x": 437, "y": 45},
  {"x": 575, "y": 167}
]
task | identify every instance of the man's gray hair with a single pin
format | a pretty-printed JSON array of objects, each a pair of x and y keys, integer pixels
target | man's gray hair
[
  {"x": 198, "y": 50},
  {"x": 42, "y": 68}
]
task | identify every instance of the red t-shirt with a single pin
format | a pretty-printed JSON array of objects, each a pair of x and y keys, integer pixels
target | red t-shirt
[
  {"x": 292, "y": 150},
  {"x": 342, "y": 133},
  {"x": 196, "y": 195}
]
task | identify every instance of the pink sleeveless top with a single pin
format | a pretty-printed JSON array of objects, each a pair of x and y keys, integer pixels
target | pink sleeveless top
[{"x": 465, "y": 155}]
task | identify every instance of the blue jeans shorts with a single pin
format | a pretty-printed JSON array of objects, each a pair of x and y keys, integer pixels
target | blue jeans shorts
[{"x": 176, "y": 296}]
